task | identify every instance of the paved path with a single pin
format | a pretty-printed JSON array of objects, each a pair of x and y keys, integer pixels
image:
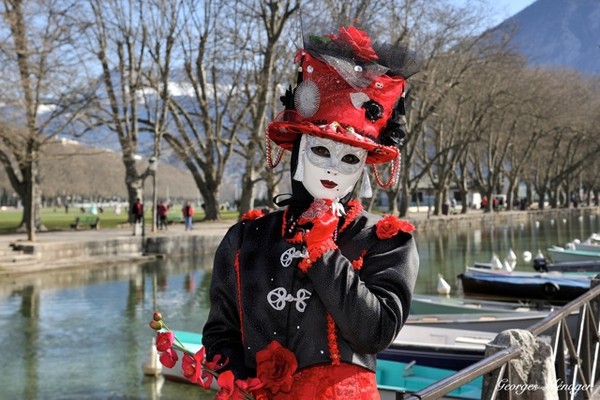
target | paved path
[
  {"x": 86, "y": 235},
  {"x": 16, "y": 262}
]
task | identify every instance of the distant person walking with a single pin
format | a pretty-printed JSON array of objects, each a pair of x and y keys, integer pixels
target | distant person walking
[
  {"x": 162, "y": 210},
  {"x": 137, "y": 214},
  {"x": 188, "y": 214}
]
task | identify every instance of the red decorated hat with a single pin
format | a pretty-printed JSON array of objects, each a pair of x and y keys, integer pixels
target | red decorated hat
[{"x": 349, "y": 90}]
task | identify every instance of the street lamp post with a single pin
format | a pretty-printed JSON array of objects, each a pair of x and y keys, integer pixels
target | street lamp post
[{"x": 153, "y": 168}]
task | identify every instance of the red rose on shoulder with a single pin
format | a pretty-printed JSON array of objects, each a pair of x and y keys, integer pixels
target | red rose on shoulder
[
  {"x": 275, "y": 367},
  {"x": 252, "y": 215},
  {"x": 389, "y": 226}
]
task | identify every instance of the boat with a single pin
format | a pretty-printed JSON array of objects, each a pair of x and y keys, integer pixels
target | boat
[
  {"x": 540, "y": 264},
  {"x": 561, "y": 254},
  {"x": 441, "y": 347},
  {"x": 482, "y": 322},
  {"x": 397, "y": 377},
  {"x": 394, "y": 375},
  {"x": 552, "y": 288},
  {"x": 422, "y": 304},
  {"x": 584, "y": 246}
]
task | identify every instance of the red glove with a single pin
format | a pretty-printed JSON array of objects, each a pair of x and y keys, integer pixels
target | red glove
[{"x": 319, "y": 238}]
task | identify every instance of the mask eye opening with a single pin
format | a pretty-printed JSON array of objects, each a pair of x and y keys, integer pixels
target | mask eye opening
[
  {"x": 351, "y": 159},
  {"x": 321, "y": 151}
]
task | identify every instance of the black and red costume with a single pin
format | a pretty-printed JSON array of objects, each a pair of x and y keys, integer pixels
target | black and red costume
[
  {"x": 345, "y": 308},
  {"x": 322, "y": 290}
]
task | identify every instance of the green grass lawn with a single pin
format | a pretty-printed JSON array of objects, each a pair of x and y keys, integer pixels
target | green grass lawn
[{"x": 58, "y": 219}]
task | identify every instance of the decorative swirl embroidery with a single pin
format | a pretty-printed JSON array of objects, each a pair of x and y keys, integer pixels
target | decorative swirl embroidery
[
  {"x": 278, "y": 298},
  {"x": 288, "y": 256}
]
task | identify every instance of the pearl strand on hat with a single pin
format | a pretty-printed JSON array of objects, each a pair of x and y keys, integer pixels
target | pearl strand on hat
[{"x": 393, "y": 175}]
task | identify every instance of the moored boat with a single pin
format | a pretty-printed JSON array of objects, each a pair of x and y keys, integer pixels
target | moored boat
[
  {"x": 394, "y": 377},
  {"x": 441, "y": 347},
  {"x": 427, "y": 304},
  {"x": 486, "y": 322},
  {"x": 589, "y": 266},
  {"x": 544, "y": 287},
  {"x": 560, "y": 254}
]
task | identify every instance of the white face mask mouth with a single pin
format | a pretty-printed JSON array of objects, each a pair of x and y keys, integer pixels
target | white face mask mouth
[{"x": 328, "y": 169}]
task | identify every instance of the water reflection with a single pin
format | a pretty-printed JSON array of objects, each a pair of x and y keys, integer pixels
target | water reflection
[{"x": 83, "y": 333}]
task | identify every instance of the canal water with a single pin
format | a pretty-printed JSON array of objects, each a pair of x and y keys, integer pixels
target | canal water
[{"x": 83, "y": 333}]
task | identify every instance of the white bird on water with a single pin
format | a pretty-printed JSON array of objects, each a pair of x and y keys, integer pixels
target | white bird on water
[
  {"x": 510, "y": 262},
  {"x": 443, "y": 287},
  {"x": 496, "y": 263}
]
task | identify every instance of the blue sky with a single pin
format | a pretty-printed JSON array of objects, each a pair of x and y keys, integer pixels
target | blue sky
[
  {"x": 499, "y": 9},
  {"x": 509, "y": 7}
]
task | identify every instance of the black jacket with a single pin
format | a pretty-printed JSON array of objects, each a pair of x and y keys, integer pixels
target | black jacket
[{"x": 368, "y": 301}]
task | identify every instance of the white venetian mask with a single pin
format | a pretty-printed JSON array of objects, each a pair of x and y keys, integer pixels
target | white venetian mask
[{"x": 329, "y": 169}]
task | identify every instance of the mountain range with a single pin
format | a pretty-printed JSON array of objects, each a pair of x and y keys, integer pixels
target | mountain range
[{"x": 558, "y": 34}]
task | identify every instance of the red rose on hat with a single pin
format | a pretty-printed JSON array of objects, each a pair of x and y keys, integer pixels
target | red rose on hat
[{"x": 358, "y": 41}]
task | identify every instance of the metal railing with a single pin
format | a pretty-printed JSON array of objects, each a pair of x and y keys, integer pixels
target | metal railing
[{"x": 576, "y": 351}]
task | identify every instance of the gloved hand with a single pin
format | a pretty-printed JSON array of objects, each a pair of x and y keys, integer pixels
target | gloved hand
[
  {"x": 320, "y": 221},
  {"x": 323, "y": 222}
]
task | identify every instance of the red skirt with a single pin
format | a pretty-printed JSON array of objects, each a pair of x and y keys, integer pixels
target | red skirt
[{"x": 332, "y": 382}]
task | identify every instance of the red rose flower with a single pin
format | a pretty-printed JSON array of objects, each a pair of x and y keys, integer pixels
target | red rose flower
[
  {"x": 358, "y": 41},
  {"x": 226, "y": 385},
  {"x": 275, "y": 367},
  {"x": 260, "y": 395},
  {"x": 252, "y": 215},
  {"x": 406, "y": 226},
  {"x": 169, "y": 358},
  {"x": 192, "y": 366},
  {"x": 164, "y": 340},
  {"x": 389, "y": 226},
  {"x": 249, "y": 385}
]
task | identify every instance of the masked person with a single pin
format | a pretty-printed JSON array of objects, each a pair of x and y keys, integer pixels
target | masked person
[{"x": 321, "y": 278}]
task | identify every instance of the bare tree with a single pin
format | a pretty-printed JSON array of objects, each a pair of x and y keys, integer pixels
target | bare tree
[
  {"x": 229, "y": 53},
  {"x": 270, "y": 18},
  {"x": 118, "y": 37},
  {"x": 42, "y": 91},
  {"x": 449, "y": 51}
]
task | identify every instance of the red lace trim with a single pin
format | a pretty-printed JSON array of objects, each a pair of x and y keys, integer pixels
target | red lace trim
[
  {"x": 354, "y": 209},
  {"x": 238, "y": 278},
  {"x": 315, "y": 253},
  {"x": 326, "y": 381},
  {"x": 334, "y": 350},
  {"x": 358, "y": 263}
]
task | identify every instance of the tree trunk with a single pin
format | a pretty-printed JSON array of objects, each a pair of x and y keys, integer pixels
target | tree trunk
[
  {"x": 404, "y": 200},
  {"x": 247, "y": 195}
]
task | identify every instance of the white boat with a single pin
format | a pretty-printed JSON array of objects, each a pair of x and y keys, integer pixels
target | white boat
[
  {"x": 441, "y": 347},
  {"x": 560, "y": 254},
  {"x": 590, "y": 244},
  {"x": 427, "y": 304},
  {"x": 487, "y": 322}
]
